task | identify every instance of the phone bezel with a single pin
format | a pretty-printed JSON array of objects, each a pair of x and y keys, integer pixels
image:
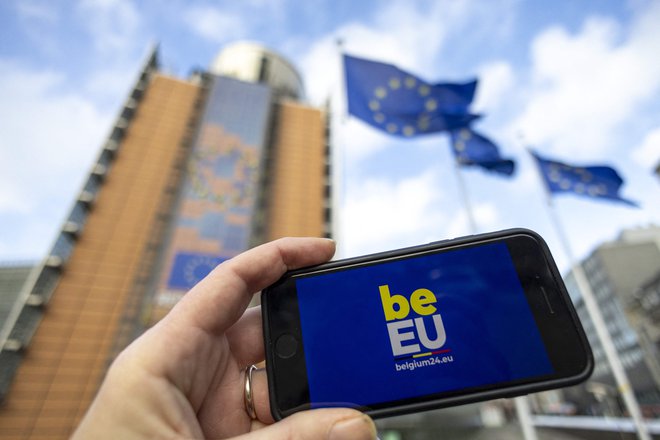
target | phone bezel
[{"x": 553, "y": 312}]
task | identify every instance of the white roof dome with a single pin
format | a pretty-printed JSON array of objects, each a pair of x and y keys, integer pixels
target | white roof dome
[{"x": 253, "y": 62}]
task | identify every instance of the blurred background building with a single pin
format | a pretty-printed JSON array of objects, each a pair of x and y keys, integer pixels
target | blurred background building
[
  {"x": 193, "y": 172},
  {"x": 625, "y": 277}
]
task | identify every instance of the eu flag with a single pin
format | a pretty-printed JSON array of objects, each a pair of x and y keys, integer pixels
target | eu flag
[
  {"x": 189, "y": 268},
  {"x": 601, "y": 182},
  {"x": 454, "y": 98},
  {"x": 471, "y": 148},
  {"x": 399, "y": 103}
]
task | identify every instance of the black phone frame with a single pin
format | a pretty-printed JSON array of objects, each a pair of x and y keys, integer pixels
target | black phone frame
[{"x": 567, "y": 338}]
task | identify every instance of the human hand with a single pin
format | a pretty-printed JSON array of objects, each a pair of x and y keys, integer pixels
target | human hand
[{"x": 184, "y": 377}]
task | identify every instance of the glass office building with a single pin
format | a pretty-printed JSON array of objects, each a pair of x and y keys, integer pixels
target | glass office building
[{"x": 193, "y": 172}]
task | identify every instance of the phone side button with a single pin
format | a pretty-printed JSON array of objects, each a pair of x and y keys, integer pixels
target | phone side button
[{"x": 286, "y": 346}]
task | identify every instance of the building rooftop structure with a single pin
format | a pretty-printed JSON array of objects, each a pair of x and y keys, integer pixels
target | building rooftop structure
[{"x": 252, "y": 62}]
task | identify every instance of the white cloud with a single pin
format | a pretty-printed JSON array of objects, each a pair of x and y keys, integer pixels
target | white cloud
[
  {"x": 48, "y": 138},
  {"x": 321, "y": 69},
  {"x": 358, "y": 140},
  {"x": 38, "y": 116},
  {"x": 648, "y": 153},
  {"x": 379, "y": 214},
  {"x": 586, "y": 86},
  {"x": 39, "y": 11},
  {"x": 496, "y": 80},
  {"x": 52, "y": 125},
  {"x": 11, "y": 198},
  {"x": 485, "y": 216},
  {"x": 111, "y": 85},
  {"x": 214, "y": 24},
  {"x": 38, "y": 20},
  {"x": 113, "y": 24},
  {"x": 116, "y": 29},
  {"x": 400, "y": 34}
]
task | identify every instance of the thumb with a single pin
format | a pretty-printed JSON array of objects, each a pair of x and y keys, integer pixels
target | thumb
[{"x": 322, "y": 424}]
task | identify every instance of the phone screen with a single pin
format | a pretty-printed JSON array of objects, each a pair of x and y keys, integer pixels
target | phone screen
[
  {"x": 438, "y": 322},
  {"x": 467, "y": 325}
]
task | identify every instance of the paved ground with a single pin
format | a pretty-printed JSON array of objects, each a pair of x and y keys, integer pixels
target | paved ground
[{"x": 464, "y": 423}]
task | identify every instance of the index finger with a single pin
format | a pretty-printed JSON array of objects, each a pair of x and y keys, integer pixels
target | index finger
[{"x": 220, "y": 299}]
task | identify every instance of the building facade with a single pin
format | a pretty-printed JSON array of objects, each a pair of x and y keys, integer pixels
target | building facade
[
  {"x": 193, "y": 172},
  {"x": 622, "y": 274},
  {"x": 12, "y": 277}
]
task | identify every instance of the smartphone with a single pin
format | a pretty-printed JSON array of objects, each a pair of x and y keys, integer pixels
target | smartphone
[{"x": 442, "y": 324}]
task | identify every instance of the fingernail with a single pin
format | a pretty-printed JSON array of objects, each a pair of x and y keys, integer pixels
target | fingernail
[{"x": 356, "y": 428}]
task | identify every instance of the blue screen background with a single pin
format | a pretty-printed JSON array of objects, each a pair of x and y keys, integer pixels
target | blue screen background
[{"x": 489, "y": 327}]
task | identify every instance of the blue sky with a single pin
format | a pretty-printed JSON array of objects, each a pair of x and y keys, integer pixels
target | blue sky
[{"x": 579, "y": 81}]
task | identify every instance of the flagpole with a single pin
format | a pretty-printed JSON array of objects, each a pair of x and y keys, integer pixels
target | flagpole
[
  {"x": 593, "y": 309},
  {"x": 525, "y": 418},
  {"x": 337, "y": 152},
  {"x": 462, "y": 189},
  {"x": 521, "y": 403}
]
